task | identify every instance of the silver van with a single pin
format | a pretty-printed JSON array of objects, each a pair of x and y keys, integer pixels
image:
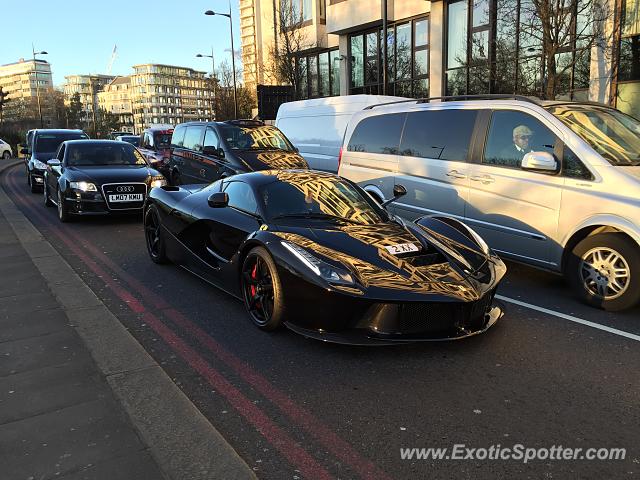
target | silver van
[{"x": 548, "y": 183}]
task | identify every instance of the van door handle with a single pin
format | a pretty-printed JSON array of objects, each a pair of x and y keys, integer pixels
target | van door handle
[
  {"x": 455, "y": 174},
  {"x": 483, "y": 178}
]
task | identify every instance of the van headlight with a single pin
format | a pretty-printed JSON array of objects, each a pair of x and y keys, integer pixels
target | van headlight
[
  {"x": 83, "y": 186},
  {"x": 157, "y": 182},
  {"x": 39, "y": 165},
  {"x": 327, "y": 272}
]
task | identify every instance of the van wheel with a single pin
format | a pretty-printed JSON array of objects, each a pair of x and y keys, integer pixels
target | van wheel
[
  {"x": 604, "y": 271},
  {"x": 176, "y": 178}
]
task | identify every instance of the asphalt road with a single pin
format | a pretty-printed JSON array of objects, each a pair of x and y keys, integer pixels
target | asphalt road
[{"x": 298, "y": 408}]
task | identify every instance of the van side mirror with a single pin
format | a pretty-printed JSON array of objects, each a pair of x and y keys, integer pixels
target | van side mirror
[
  {"x": 24, "y": 151},
  {"x": 539, "y": 161},
  {"x": 218, "y": 200}
]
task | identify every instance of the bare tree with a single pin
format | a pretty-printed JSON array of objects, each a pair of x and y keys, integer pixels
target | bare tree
[
  {"x": 3, "y": 101},
  {"x": 223, "y": 102},
  {"x": 290, "y": 39},
  {"x": 563, "y": 32}
]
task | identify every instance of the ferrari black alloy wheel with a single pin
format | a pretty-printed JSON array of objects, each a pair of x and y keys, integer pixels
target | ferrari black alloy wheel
[
  {"x": 153, "y": 236},
  {"x": 261, "y": 290}
]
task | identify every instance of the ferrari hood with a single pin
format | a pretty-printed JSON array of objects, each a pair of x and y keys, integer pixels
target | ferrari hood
[
  {"x": 271, "y": 160},
  {"x": 392, "y": 256}
]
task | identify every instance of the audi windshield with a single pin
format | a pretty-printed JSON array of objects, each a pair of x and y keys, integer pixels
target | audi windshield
[{"x": 104, "y": 154}]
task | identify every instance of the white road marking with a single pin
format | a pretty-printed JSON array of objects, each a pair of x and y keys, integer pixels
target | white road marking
[{"x": 571, "y": 318}]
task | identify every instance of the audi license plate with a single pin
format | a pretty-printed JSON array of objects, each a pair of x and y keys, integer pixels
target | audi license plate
[
  {"x": 126, "y": 197},
  {"x": 402, "y": 248}
]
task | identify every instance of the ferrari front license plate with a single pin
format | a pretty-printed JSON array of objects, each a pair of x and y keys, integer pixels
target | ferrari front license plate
[
  {"x": 126, "y": 197},
  {"x": 402, "y": 248}
]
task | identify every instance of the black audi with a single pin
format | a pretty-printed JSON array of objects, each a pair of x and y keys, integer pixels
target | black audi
[
  {"x": 98, "y": 177},
  {"x": 314, "y": 252}
]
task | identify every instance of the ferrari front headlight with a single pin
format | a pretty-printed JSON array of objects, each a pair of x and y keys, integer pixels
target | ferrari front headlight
[
  {"x": 322, "y": 269},
  {"x": 83, "y": 186}
]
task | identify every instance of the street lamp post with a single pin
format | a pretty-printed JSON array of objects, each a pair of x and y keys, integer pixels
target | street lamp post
[
  {"x": 213, "y": 80},
  {"x": 233, "y": 57},
  {"x": 35, "y": 68}
]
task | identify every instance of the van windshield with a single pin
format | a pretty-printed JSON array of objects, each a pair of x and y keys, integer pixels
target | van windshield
[
  {"x": 49, "y": 142},
  {"x": 611, "y": 133},
  {"x": 255, "y": 138}
]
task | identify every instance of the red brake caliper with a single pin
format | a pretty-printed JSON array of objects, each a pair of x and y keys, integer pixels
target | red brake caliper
[{"x": 254, "y": 275}]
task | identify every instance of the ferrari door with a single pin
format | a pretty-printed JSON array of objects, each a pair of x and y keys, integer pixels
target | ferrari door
[{"x": 223, "y": 230}]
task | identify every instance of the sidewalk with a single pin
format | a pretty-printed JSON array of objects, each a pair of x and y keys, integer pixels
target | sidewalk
[
  {"x": 58, "y": 416},
  {"x": 80, "y": 398}
]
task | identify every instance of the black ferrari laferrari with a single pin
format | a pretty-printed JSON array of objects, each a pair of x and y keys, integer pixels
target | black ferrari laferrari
[{"x": 314, "y": 252}]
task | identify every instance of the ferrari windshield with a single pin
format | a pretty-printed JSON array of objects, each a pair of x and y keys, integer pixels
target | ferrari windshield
[
  {"x": 611, "y": 133},
  {"x": 263, "y": 137},
  {"x": 101, "y": 154},
  {"x": 298, "y": 196}
]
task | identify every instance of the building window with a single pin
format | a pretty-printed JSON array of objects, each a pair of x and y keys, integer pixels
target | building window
[
  {"x": 628, "y": 87},
  {"x": 298, "y": 12},
  {"x": 495, "y": 46},
  {"x": 407, "y": 60},
  {"x": 319, "y": 74}
]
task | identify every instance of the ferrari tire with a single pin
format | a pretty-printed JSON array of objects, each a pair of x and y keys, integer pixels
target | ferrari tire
[
  {"x": 604, "y": 271},
  {"x": 45, "y": 194},
  {"x": 153, "y": 236},
  {"x": 262, "y": 291}
]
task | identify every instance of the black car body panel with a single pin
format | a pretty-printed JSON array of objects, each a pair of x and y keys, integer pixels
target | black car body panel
[
  {"x": 444, "y": 290},
  {"x": 201, "y": 152},
  {"x": 111, "y": 181}
]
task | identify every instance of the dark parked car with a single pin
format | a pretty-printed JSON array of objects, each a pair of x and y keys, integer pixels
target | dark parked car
[
  {"x": 155, "y": 143},
  {"x": 316, "y": 253},
  {"x": 203, "y": 152},
  {"x": 43, "y": 144},
  {"x": 98, "y": 177}
]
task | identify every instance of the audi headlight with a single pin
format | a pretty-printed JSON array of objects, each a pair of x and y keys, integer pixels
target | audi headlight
[
  {"x": 84, "y": 186},
  {"x": 39, "y": 165},
  {"x": 157, "y": 182},
  {"x": 322, "y": 269}
]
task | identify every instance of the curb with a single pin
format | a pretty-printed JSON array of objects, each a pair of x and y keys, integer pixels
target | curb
[{"x": 182, "y": 441}]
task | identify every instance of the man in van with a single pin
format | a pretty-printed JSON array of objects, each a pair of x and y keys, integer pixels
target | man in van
[{"x": 512, "y": 155}]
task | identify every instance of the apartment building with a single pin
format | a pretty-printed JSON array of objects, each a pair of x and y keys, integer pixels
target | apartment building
[
  {"x": 22, "y": 81},
  {"x": 115, "y": 98},
  {"x": 445, "y": 47},
  {"x": 168, "y": 94},
  {"x": 88, "y": 87}
]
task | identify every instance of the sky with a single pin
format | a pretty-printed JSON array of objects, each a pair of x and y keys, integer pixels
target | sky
[{"x": 79, "y": 36}]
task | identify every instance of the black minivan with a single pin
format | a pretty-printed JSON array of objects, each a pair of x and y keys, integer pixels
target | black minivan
[{"x": 203, "y": 152}]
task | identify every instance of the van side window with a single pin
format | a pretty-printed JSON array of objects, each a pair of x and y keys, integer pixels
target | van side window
[
  {"x": 572, "y": 166},
  {"x": 193, "y": 138},
  {"x": 439, "y": 134},
  {"x": 378, "y": 134},
  {"x": 211, "y": 138},
  {"x": 177, "y": 139},
  {"x": 513, "y": 134}
]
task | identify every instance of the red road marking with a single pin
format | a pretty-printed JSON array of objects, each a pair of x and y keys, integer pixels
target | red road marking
[
  {"x": 336, "y": 445},
  {"x": 287, "y": 446}
]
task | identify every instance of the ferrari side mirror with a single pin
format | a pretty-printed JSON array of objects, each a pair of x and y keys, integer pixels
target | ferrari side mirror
[
  {"x": 218, "y": 200},
  {"x": 398, "y": 191}
]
